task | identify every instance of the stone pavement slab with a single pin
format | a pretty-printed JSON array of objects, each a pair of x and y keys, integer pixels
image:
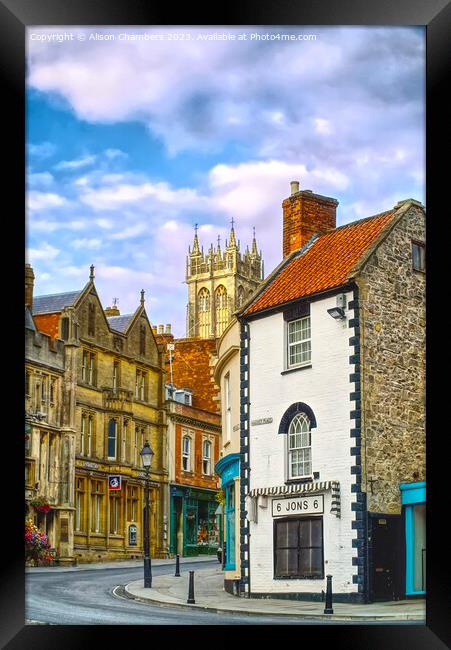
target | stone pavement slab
[{"x": 210, "y": 595}]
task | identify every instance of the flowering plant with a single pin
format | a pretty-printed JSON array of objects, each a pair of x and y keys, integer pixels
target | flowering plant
[
  {"x": 36, "y": 543},
  {"x": 40, "y": 504}
]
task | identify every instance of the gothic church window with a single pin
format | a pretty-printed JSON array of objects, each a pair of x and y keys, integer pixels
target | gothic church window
[
  {"x": 240, "y": 296},
  {"x": 203, "y": 303},
  {"x": 222, "y": 312}
]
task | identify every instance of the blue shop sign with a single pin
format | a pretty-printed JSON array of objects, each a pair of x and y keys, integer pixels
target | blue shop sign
[{"x": 228, "y": 468}]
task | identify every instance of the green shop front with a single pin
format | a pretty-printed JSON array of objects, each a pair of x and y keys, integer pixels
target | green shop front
[{"x": 195, "y": 523}]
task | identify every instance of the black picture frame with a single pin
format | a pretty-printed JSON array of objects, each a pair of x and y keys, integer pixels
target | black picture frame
[{"x": 15, "y": 15}]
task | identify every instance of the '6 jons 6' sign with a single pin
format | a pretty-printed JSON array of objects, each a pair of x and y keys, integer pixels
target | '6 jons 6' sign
[{"x": 298, "y": 506}]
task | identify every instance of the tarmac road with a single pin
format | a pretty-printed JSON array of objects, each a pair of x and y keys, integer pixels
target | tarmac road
[{"x": 86, "y": 598}]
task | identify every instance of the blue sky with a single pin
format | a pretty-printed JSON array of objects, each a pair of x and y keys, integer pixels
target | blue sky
[{"x": 132, "y": 142}]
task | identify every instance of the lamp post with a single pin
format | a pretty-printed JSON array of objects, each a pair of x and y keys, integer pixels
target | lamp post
[{"x": 146, "y": 456}]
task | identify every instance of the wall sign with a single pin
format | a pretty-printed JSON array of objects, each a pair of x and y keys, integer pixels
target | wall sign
[
  {"x": 254, "y": 423},
  {"x": 298, "y": 506},
  {"x": 114, "y": 482}
]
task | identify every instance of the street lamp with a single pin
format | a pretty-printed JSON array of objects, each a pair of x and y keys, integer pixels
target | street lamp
[{"x": 146, "y": 456}]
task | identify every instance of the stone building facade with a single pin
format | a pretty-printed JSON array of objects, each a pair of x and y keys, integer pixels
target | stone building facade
[
  {"x": 49, "y": 435},
  {"x": 117, "y": 372},
  {"x": 219, "y": 282}
]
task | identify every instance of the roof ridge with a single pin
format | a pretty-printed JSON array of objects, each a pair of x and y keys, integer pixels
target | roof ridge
[
  {"x": 357, "y": 221},
  {"x": 61, "y": 293}
]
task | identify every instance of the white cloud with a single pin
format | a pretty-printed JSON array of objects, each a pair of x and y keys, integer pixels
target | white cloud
[
  {"x": 45, "y": 200},
  {"x": 77, "y": 163},
  {"x": 323, "y": 126},
  {"x": 42, "y": 150},
  {"x": 39, "y": 179},
  {"x": 45, "y": 252},
  {"x": 86, "y": 243},
  {"x": 131, "y": 231},
  {"x": 115, "y": 153}
]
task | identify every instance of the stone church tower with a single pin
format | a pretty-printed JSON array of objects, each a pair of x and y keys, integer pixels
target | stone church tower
[{"x": 218, "y": 284}]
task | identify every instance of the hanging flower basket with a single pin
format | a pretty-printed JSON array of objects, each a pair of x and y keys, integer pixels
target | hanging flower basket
[
  {"x": 36, "y": 544},
  {"x": 40, "y": 504}
]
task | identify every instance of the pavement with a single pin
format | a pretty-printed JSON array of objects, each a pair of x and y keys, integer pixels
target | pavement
[{"x": 209, "y": 595}]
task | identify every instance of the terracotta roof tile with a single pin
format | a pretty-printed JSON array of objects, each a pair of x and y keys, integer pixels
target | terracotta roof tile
[{"x": 326, "y": 264}]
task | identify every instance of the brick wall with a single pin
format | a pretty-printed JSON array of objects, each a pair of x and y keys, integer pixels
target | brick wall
[
  {"x": 191, "y": 368},
  {"x": 304, "y": 214}
]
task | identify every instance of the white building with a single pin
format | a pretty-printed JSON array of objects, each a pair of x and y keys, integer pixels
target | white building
[{"x": 307, "y": 406}]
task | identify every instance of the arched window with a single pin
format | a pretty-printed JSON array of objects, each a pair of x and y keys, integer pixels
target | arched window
[
  {"x": 240, "y": 296},
  {"x": 222, "y": 311},
  {"x": 112, "y": 439},
  {"x": 206, "y": 457},
  {"x": 299, "y": 447},
  {"x": 186, "y": 453},
  {"x": 204, "y": 318}
]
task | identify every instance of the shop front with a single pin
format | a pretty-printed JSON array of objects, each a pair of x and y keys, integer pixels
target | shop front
[
  {"x": 228, "y": 468},
  {"x": 195, "y": 526},
  {"x": 413, "y": 499}
]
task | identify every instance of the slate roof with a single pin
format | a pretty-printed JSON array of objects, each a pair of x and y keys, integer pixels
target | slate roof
[
  {"x": 54, "y": 302},
  {"x": 325, "y": 264},
  {"x": 119, "y": 323}
]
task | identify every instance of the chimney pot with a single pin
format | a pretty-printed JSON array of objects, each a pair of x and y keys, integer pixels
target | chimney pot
[
  {"x": 29, "y": 285},
  {"x": 294, "y": 187},
  {"x": 168, "y": 328},
  {"x": 160, "y": 329}
]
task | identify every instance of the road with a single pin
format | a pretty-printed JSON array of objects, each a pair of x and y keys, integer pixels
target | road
[{"x": 86, "y": 598}]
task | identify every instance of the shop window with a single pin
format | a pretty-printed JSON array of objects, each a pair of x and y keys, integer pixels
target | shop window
[
  {"x": 115, "y": 506},
  {"x": 79, "y": 503},
  {"x": 230, "y": 524},
  {"x": 132, "y": 503},
  {"x": 96, "y": 506},
  {"x": 298, "y": 551}
]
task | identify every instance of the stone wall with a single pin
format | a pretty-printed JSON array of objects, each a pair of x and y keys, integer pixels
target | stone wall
[{"x": 392, "y": 313}]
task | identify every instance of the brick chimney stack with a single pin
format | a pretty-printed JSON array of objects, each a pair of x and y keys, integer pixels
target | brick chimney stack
[
  {"x": 29, "y": 285},
  {"x": 304, "y": 214}
]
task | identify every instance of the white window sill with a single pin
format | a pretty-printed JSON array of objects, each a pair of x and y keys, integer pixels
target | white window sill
[{"x": 295, "y": 368}]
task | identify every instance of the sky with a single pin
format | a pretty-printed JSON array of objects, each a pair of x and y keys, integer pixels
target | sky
[{"x": 134, "y": 135}]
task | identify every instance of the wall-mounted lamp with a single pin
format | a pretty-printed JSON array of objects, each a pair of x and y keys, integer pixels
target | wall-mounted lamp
[{"x": 337, "y": 312}]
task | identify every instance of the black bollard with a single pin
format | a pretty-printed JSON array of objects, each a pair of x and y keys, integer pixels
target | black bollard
[
  {"x": 328, "y": 609},
  {"x": 191, "y": 588},
  {"x": 177, "y": 566}
]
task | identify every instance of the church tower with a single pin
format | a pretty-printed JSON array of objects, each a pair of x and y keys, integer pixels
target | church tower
[{"x": 219, "y": 283}]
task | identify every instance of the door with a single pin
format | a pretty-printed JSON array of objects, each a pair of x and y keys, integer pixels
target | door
[{"x": 386, "y": 558}]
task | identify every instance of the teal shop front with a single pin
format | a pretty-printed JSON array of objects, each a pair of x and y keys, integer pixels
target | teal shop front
[
  {"x": 195, "y": 526},
  {"x": 228, "y": 468},
  {"x": 413, "y": 499}
]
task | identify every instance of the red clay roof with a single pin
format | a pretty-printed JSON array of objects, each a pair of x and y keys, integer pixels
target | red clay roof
[{"x": 325, "y": 265}]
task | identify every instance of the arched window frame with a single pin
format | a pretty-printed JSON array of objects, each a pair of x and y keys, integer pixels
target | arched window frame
[
  {"x": 292, "y": 415},
  {"x": 186, "y": 452},
  {"x": 206, "y": 457}
]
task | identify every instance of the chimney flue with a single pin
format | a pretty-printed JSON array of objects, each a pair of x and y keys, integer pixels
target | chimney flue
[
  {"x": 304, "y": 215},
  {"x": 168, "y": 329},
  {"x": 29, "y": 285}
]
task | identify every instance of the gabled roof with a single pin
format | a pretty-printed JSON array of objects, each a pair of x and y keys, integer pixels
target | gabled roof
[
  {"x": 326, "y": 263},
  {"x": 54, "y": 302},
  {"x": 119, "y": 323}
]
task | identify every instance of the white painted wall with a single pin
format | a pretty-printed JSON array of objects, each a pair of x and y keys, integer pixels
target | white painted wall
[{"x": 325, "y": 387}]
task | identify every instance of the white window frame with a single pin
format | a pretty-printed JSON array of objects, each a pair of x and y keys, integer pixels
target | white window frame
[
  {"x": 206, "y": 458},
  {"x": 188, "y": 455},
  {"x": 228, "y": 408},
  {"x": 291, "y": 345},
  {"x": 294, "y": 455}
]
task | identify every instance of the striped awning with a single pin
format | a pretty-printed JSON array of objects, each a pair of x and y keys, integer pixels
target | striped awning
[{"x": 302, "y": 488}]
